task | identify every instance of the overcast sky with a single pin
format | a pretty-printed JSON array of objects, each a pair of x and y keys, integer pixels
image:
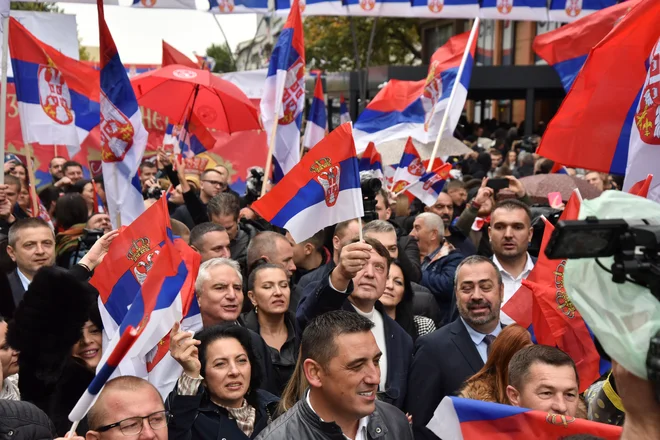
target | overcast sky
[{"x": 138, "y": 32}]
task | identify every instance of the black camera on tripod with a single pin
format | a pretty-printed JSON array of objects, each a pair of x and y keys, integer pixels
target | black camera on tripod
[
  {"x": 370, "y": 187},
  {"x": 635, "y": 247}
]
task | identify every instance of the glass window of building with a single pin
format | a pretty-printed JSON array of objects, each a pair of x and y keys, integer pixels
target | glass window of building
[
  {"x": 508, "y": 41},
  {"x": 485, "y": 43}
]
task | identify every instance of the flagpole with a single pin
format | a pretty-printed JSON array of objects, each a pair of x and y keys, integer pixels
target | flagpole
[
  {"x": 452, "y": 96},
  {"x": 407, "y": 187},
  {"x": 271, "y": 149},
  {"x": 231, "y": 55},
  {"x": 3, "y": 92}
]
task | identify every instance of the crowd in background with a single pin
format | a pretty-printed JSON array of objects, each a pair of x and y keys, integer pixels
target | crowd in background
[{"x": 306, "y": 340}]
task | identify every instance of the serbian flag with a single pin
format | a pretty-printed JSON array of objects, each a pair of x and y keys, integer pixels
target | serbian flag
[
  {"x": 344, "y": 115},
  {"x": 123, "y": 137},
  {"x": 317, "y": 119},
  {"x": 323, "y": 189},
  {"x": 416, "y": 108},
  {"x": 466, "y": 419},
  {"x": 430, "y": 185},
  {"x": 410, "y": 168},
  {"x": 205, "y": 62},
  {"x": 566, "y": 48},
  {"x": 523, "y": 10},
  {"x": 98, "y": 201},
  {"x": 371, "y": 161},
  {"x": 57, "y": 96},
  {"x": 146, "y": 273},
  {"x": 164, "y": 4},
  {"x": 284, "y": 95},
  {"x": 610, "y": 120},
  {"x": 558, "y": 168},
  {"x": 641, "y": 188},
  {"x": 196, "y": 138},
  {"x": 173, "y": 56},
  {"x": 567, "y": 11}
]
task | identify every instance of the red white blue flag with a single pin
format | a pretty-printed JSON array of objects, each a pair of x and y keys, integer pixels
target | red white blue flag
[
  {"x": 321, "y": 190},
  {"x": 123, "y": 137},
  {"x": 610, "y": 120},
  {"x": 466, "y": 419},
  {"x": 372, "y": 161},
  {"x": 57, "y": 96},
  {"x": 191, "y": 139},
  {"x": 317, "y": 118},
  {"x": 416, "y": 108},
  {"x": 567, "y": 11},
  {"x": 430, "y": 185},
  {"x": 566, "y": 48},
  {"x": 344, "y": 115},
  {"x": 284, "y": 95}
]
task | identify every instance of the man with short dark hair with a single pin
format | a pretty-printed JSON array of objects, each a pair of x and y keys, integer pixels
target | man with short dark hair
[
  {"x": 8, "y": 198},
  {"x": 210, "y": 241},
  {"x": 544, "y": 378},
  {"x": 147, "y": 171},
  {"x": 444, "y": 359},
  {"x": 224, "y": 210},
  {"x": 195, "y": 207},
  {"x": 55, "y": 169},
  {"x": 355, "y": 285},
  {"x": 510, "y": 233},
  {"x": 341, "y": 362},
  {"x": 100, "y": 220},
  {"x": 72, "y": 170},
  {"x": 128, "y": 406},
  {"x": 309, "y": 255},
  {"x": 456, "y": 190}
]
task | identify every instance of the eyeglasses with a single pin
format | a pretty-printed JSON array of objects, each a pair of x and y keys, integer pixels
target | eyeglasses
[
  {"x": 134, "y": 425},
  {"x": 214, "y": 182}
]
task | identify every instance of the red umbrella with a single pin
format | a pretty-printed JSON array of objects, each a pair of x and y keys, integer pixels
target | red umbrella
[{"x": 219, "y": 104}]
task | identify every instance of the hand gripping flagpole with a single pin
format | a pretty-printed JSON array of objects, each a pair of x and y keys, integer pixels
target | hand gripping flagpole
[
  {"x": 452, "y": 96},
  {"x": 3, "y": 90}
]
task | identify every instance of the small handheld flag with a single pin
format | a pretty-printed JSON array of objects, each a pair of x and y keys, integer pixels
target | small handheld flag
[
  {"x": 323, "y": 189},
  {"x": 317, "y": 119},
  {"x": 372, "y": 161}
]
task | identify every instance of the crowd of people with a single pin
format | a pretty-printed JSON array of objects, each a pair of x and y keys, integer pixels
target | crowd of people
[{"x": 330, "y": 338}]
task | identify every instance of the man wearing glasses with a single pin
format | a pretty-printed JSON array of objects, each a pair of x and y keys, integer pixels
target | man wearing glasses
[
  {"x": 128, "y": 406},
  {"x": 212, "y": 183}
]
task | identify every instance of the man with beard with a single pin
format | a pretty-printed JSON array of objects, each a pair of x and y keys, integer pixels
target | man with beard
[
  {"x": 444, "y": 359},
  {"x": 510, "y": 232},
  {"x": 444, "y": 207}
]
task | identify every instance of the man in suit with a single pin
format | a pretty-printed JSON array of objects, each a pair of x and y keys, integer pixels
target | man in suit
[
  {"x": 31, "y": 245},
  {"x": 355, "y": 285},
  {"x": 444, "y": 359}
]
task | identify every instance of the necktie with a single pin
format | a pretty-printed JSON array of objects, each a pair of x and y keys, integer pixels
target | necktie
[{"x": 488, "y": 339}]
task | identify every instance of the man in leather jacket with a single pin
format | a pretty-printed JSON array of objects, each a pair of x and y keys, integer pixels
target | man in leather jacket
[{"x": 340, "y": 360}]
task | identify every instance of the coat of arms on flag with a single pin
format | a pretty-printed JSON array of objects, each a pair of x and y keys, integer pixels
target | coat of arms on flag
[
  {"x": 573, "y": 7},
  {"x": 54, "y": 94},
  {"x": 647, "y": 118},
  {"x": 327, "y": 175},
  {"x": 116, "y": 132},
  {"x": 142, "y": 255},
  {"x": 504, "y": 6}
]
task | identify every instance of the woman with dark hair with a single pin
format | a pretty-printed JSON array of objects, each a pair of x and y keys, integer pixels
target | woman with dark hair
[
  {"x": 489, "y": 384},
  {"x": 71, "y": 214},
  {"x": 270, "y": 293},
  {"x": 217, "y": 395},
  {"x": 86, "y": 190},
  {"x": 398, "y": 303}
]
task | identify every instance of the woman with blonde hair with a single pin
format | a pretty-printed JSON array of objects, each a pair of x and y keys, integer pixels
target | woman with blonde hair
[{"x": 489, "y": 384}]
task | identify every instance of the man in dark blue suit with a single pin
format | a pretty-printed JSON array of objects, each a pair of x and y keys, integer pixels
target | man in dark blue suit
[
  {"x": 444, "y": 359},
  {"x": 355, "y": 285}
]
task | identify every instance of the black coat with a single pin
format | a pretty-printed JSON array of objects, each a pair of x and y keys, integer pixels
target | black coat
[
  {"x": 438, "y": 277},
  {"x": 24, "y": 421},
  {"x": 324, "y": 298},
  {"x": 443, "y": 360},
  {"x": 197, "y": 418}
]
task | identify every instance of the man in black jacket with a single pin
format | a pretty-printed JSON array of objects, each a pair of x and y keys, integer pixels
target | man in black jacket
[
  {"x": 444, "y": 359},
  {"x": 355, "y": 285},
  {"x": 340, "y": 360}
]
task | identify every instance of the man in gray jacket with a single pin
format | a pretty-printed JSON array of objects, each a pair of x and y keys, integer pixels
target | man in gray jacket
[{"x": 340, "y": 361}]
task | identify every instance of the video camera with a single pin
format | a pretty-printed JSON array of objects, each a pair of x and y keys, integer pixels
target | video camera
[
  {"x": 370, "y": 187},
  {"x": 636, "y": 251}
]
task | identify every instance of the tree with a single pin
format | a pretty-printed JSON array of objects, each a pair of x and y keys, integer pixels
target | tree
[
  {"x": 224, "y": 61},
  {"x": 39, "y": 7},
  {"x": 329, "y": 43},
  {"x": 82, "y": 51}
]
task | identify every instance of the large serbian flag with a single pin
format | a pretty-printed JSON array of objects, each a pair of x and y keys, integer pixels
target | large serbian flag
[
  {"x": 323, "y": 189},
  {"x": 466, "y": 419},
  {"x": 123, "y": 137},
  {"x": 284, "y": 95},
  {"x": 57, "y": 96},
  {"x": 610, "y": 120}
]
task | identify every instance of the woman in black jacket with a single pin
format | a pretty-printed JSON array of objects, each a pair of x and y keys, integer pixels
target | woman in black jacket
[{"x": 217, "y": 395}]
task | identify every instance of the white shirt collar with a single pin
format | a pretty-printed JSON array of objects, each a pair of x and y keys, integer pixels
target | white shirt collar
[
  {"x": 369, "y": 315},
  {"x": 23, "y": 279},
  {"x": 362, "y": 424},
  {"x": 477, "y": 337},
  {"x": 529, "y": 265}
]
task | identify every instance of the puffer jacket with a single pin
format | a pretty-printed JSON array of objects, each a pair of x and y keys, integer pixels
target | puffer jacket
[
  {"x": 301, "y": 423},
  {"x": 197, "y": 418},
  {"x": 24, "y": 421}
]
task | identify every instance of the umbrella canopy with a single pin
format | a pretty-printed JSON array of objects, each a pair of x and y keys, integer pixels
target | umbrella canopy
[
  {"x": 539, "y": 186},
  {"x": 218, "y": 103},
  {"x": 391, "y": 151}
]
